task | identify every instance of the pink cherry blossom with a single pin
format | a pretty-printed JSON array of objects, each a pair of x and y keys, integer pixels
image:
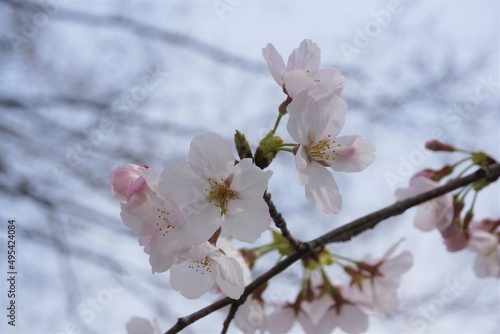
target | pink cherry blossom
[
  {"x": 204, "y": 267},
  {"x": 212, "y": 192},
  {"x": 125, "y": 181},
  {"x": 436, "y": 213},
  {"x": 377, "y": 282},
  {"x": 315, "y": 125},
  {"x": 487, "y": 247},
  {"x": 154, "y": 219},
  {"x": 302, "y": 71}
]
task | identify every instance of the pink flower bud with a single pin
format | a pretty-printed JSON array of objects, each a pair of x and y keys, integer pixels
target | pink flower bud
[
  {"x": 436, "y": 145},
  {"x": 125, "y": 181}
]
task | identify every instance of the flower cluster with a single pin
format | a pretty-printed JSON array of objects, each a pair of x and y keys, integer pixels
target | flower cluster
[
  {"x": 321, "y": 306},
  {"x": 186, "y": 214},
  {"x": 445, "y": 212}
]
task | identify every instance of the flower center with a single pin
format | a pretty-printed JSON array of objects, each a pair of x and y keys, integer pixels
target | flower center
[
  {"x": 202, "y": 265},
  {"x": 220, "y": 193},
  {"x": 163, "y": 225},
  {"x": 324, "y": 150}
]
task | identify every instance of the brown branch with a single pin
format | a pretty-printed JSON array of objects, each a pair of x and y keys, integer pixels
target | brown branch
[
  {"x": 343, "y": 233},
  {"x": 280, "y": 222}
]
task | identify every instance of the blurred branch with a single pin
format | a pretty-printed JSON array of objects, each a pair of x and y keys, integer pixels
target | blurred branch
[
  {"x": 146, "y": 30},
  {"x": 343, "y": 233}
]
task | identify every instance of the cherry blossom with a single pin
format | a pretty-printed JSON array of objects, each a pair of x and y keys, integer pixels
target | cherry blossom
[
  {"x": 125, "y": 181},
  {"x": 375, "y": 284},
  {"x": 204, "y": 267},
  {"x": 302, "y": 71},
  {"x": 315, "y": 125},
  {"x": 436, "y": 213},
  {"x": 154, "y": 219},
  {"x": 212, "y": 192},
  {"x": 487, "y": 247}
]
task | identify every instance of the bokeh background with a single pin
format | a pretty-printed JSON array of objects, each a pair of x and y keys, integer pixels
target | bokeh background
[{"x": 86, "y": 86}]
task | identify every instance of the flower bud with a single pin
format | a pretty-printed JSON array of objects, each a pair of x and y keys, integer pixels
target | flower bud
[
  {"x": 242, "y": 146},
  {"x": 125, "y": 181},
  {"x": 267, "y": 150},
  {"x": 437, "y": 146}
]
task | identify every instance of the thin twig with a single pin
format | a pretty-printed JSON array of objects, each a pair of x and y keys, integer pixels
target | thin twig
[
  {"x": 280, "y": 222},
  {"x": 343, "y": 233}
]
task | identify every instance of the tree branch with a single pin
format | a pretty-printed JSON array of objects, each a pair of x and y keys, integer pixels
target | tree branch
[
  {"x": 343, "y": 233},
  {"x": 280, "y": 222}
]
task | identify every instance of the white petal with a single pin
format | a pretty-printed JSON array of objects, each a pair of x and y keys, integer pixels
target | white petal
[
  {"x": 152, "y": 177},
  {"x": 317, "y": 308},
  {"x": 321, "y": 189},
  {"x": 200, "y": 223},
  {"x": 304, "y": 118},
  {"x": 354, "y": 154},
  {"x": 211, "y": 156},
  {"x": 331, "y": 118},
  {"x": 248, "y": 180},
  {"x": 281, "y": 320},
  {"x": 352, "y": 320},
  {"x": 138, "y": 325},
  {"x": 426, "y": 217},
  {"x": 230, "y": 276},
  {"x": 192, "y": 279},
  {"x": 398, "y": 265},
  {"x": 306, "y": 57},
  {"x": 231, "y": 251},
  {"x": 163, "y": 251},
  {"x": 297, "y": 81},
  {"x": 181, "y": 185},
  {"x": 275, "y": 63},
  {"x": 331, "y": 82},
  {"x": 246, "y": 219}
]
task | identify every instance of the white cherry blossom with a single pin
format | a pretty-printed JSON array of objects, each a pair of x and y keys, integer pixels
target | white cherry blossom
[
  {"x": 302, "y": 71},
  {"x": 315, "y": 125},
  {"x": 212, "y": 192},
  {"x": 204, "y": 267}
]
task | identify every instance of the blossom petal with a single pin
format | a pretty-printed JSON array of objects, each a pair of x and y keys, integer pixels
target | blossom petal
[
  {"x": 281, "y": 320},
  {"x": 246, "y": 219},
  {"x": 275, "y": 63},
  {"x": 354, "y": 154},
  {"x": 211, "y": 156},
  {"x": 321, "y": 188},
  {"x": 181, "y": 185},
  {"x": 199, "y": 223},
  {"x": 192, "y": 279},
  {"x": 331, "y": 117},
  {"x": 352, "y": 320},
  {"x": 230, "y": 276},
  {"x": 163, "y": 251},
  {"x": 297, "y": 81},
  {"x": 331, "y": 82},
  {"x": 304, "y": 118},
  {"x": 248, "y": 180},
  {"x": 306, "y": 57}
]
